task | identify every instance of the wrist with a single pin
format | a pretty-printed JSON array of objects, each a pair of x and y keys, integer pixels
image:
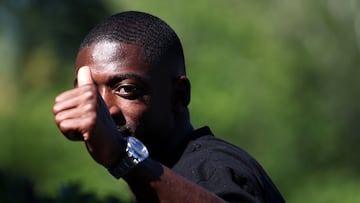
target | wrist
[
  {"x": 118, "y": 154},
  {"x": 135, "y": 152}
]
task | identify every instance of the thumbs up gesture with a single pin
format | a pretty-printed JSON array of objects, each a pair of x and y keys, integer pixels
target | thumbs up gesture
[
  {"x": 81, "y": 114},
  {"x": 84, "y": 78},
  {"x": 69, "y": 109}
]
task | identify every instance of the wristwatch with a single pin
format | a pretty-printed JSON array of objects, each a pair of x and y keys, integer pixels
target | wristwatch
[{"x": 135, "y": 153}]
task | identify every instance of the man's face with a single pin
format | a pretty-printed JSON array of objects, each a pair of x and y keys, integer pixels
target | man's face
[{"x": 138, "y": 96}]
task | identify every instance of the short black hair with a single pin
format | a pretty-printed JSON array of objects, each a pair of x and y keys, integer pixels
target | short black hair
[{"x": 159, "y": 42}]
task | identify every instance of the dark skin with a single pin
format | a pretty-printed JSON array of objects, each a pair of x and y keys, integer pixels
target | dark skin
[{"x": 118, "y": 94}]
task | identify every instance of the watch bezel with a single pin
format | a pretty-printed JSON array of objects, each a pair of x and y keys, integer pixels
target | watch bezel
[{"x": 135, "y": 153}]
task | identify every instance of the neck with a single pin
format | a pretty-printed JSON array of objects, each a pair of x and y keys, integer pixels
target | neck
[{"x": 175, "y": 143}]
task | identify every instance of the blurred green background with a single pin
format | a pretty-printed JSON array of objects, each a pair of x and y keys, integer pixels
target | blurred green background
[{"x": 278, "y": 78}]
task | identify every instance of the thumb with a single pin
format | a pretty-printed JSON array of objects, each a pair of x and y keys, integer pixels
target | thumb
[{"x": 84, "y": 76}]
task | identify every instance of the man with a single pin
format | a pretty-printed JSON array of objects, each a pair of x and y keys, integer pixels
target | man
[{"x": 131, "y": 83}]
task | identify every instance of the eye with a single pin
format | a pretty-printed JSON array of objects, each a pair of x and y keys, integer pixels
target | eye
[{"x": 127, "y": 91}]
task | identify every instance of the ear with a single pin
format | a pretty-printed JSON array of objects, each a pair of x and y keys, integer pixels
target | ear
[{"x": 181, "y": 93}]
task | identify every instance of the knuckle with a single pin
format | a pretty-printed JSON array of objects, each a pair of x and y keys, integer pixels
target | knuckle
[
  {"x": 54, "y": 109},
  {"x": 58, "y": 118},
  {"x": 88, "y": 107},
  {"x": 63, "y": 127},
  {"x": 89, "y": 94},
  {"x": 57, "y": 99},
  {"x": 91, "y": 119}
]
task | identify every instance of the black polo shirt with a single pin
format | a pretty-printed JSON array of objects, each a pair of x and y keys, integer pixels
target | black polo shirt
[{"x": 225, "y": 169}]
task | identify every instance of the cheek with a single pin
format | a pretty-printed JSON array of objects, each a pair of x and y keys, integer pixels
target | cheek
[
  {"x": 162, "y": 112},
  {"x": 134, "y": 114},
  {"x": 160, "y": 116},
  {"x": 149, "y": 118},
  {"x": 153, "y": 121}
]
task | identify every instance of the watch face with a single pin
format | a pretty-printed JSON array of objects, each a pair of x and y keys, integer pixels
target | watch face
[{"x": 137, "y": 150}]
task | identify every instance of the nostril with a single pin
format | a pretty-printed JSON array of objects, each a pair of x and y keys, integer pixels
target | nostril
[
  {"x": 119, "y": 120},
  {"x": 124, "y": 130}
]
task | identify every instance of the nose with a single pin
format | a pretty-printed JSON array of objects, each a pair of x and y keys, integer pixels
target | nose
[
  {"x": 112, "y": 104},
  {"x": 110, "y": 100}
]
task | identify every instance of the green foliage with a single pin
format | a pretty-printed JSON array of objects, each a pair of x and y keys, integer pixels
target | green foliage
[
  {"x": 279, "y": 78},
  {"x": 18, "y": 189}
]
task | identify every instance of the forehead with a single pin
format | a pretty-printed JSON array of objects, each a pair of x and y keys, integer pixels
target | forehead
[{"x": 105, "y": 56}]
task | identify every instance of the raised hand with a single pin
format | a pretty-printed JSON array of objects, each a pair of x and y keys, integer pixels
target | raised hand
[{"x": 81, "y": 114}]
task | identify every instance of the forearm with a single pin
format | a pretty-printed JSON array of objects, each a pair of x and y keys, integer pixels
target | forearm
[{"x": 153, "y": 182}]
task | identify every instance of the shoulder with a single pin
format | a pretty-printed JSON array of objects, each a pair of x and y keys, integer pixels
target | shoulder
[
  {"x": 208, "y": 155},
  {"x": 225, "y": 169},
  {"x": 219, "y": 153}
]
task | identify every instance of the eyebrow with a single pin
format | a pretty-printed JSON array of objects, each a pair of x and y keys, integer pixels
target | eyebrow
[{"x": 120, "y": 77}]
